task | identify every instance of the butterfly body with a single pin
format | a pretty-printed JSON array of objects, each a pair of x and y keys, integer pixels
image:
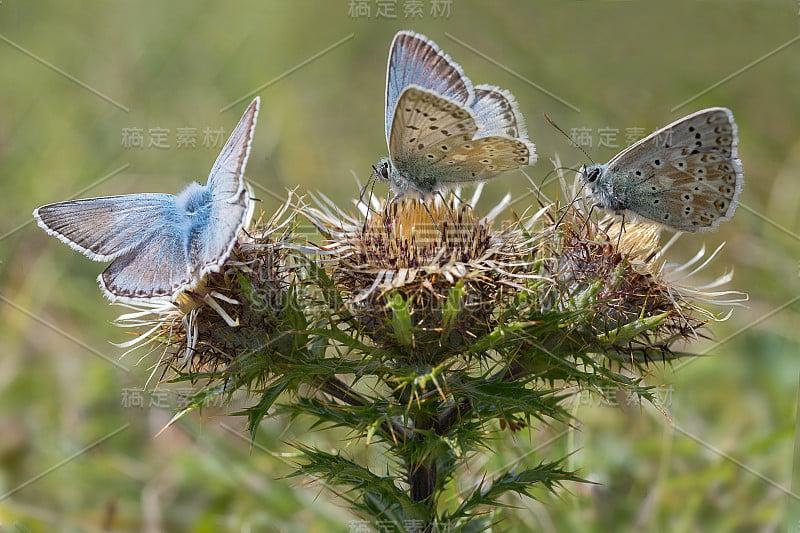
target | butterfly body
[
  {"x": 686, "y": 176},
  {"x": 607, "y": 193},
  {"x": 194, "y": 200},
  {"x": 440, "y": 129},
  {"x": 425, "y": 181},
  {"x": 161, "y": 244}
]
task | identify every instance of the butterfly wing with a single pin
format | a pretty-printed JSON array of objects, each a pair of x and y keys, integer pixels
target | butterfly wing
[
  {"x": 105, "y": 228},
  {"x": 142, "y": 234},
  {"x": 686, "y": 175},
  {"x": 159, "y": 269},
  {"x": 416, "y": 60},
  {"x": 497, "y": 113},
  {"x": 214, "y": 233},
  {"x": 226, "y": 179},
  {"x": 433, "y": 140}
]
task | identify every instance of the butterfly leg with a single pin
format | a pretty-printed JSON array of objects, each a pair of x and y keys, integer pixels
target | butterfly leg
[
  {"x": 368, "y": 203},
  {"x": 461, "y": 200},
  {"x": 447, "y": 205},
  {"x": 589, "y": 216},
  {"x": 566, "y": 210},
  {"x": 430, "y": 215},
  {"x": 621, "y": 228},
  {"x": 388, "y": 204},
  {"x": 250, "y": 198},
  {"x": 564, "y": 213}
]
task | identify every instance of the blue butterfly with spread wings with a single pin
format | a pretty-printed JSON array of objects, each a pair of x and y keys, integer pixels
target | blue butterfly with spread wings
[{"x": 161, "y": 244}]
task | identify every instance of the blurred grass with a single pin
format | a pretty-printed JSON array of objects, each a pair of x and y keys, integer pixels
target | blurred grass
[{"x": 623, "y": 64}]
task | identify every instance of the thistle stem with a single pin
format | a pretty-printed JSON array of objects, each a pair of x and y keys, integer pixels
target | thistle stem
[{"x": 422, "y": 473}]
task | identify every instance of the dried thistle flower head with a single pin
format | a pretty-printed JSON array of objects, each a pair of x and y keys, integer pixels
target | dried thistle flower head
[
  {"x": 234, "y": 313},
  {"x": 421, "y": 278},
  {"x": 616, "y": 274}
]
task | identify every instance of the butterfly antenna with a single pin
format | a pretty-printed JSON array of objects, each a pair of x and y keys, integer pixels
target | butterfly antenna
[
  {"x": 364, "y": 188},
  {"x": 571, "y": 140}
]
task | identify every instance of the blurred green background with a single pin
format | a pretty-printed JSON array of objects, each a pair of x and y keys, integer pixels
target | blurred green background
[{"x": 76, "y": 76}]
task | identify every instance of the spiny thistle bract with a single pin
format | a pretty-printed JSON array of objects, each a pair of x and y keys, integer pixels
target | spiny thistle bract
[{"x": 420, "y": 327}]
